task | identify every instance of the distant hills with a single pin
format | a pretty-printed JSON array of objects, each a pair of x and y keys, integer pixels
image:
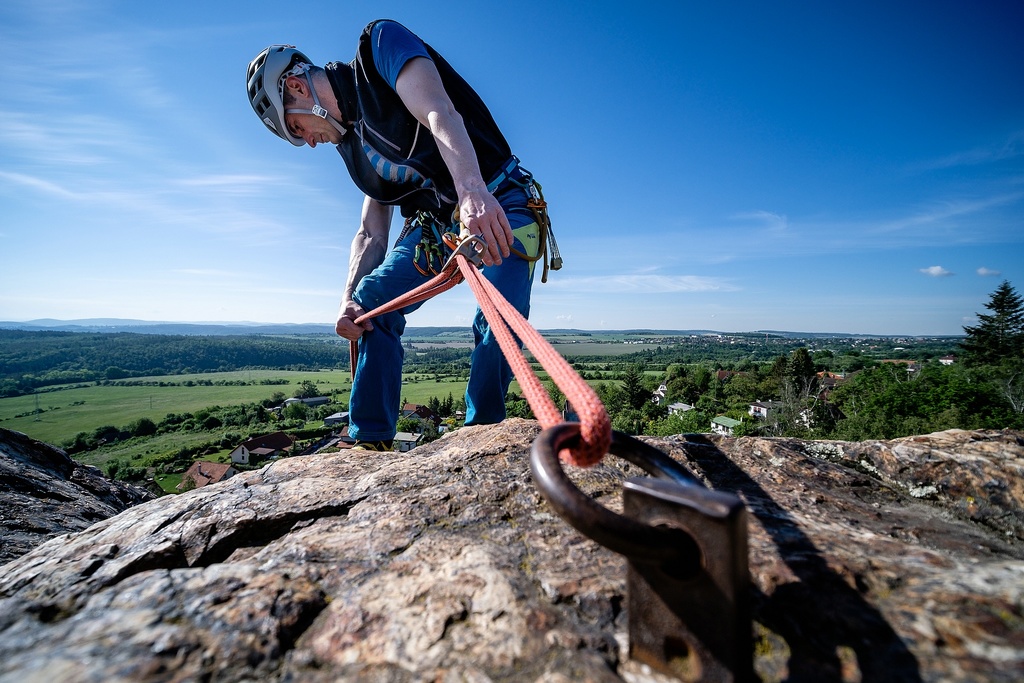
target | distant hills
[
  {"x": 247, "y": 328},
  {"x": 157, "y": 327}
]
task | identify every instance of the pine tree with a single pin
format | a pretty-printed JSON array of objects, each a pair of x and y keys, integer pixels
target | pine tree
[
  {"x": 633, "y": 386},
  {"x": 801, "y": 370},
  {"x": 998, "y": 336}
]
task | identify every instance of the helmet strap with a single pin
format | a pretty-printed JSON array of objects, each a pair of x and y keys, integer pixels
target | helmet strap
[{"x": 317, "y": 109}]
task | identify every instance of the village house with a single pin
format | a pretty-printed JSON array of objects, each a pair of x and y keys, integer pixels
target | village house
[
  {"x": 406, "y": 441},
  {"x": 261, "y": 447},
  {"x": 336, "y": 419},
  {"x": 761, "y": 409},
  {"x": 830, "y": 380},
  {"x": 678, "y": 408},
  {"x": 312, "y": 402},
  {"x": 659, "y": 394},
  {"x": 202, "y": 473},
  {"x": 911, "y": 365},
  {"x": 415, "y": 411},
  {"x": 724, "y": 425}
]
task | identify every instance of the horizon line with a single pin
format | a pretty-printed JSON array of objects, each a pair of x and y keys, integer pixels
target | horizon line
[{"x": 134, "y": 322}]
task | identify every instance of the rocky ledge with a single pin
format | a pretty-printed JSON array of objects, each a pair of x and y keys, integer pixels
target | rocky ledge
[
  {"x": 876, "y": 561},
  {"x": 44, "y": 493}
]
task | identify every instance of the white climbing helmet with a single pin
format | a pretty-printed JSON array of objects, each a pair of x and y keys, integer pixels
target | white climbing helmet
[
  {"x": 263, "y": 81},
  {"x": 265, "y": 84}
]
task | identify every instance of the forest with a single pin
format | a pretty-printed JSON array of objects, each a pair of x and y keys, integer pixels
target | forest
[{"x": 33, "y": 360}]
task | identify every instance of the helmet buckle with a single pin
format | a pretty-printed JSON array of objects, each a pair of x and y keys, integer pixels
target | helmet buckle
[{"x": 317, "y": 110}]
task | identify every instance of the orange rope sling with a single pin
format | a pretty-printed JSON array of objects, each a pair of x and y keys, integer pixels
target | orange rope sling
[{"x": 505, "y": 320}]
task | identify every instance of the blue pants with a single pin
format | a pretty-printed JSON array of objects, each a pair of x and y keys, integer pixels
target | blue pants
[{"x": 377, "y": 386}]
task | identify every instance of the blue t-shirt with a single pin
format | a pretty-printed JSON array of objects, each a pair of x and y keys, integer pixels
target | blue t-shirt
[{"x": 393, "y": 45}]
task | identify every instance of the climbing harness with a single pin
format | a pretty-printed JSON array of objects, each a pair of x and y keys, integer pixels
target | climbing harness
[
  {"x": 536, "y": 204},
  {"x": 686, "y": 545}
]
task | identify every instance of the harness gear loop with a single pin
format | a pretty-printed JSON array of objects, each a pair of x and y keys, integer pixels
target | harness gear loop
[
  {"x": 548, "y": 245},
  {"x": 419, "y": 251},
  {"x": 428, "y": 255}
]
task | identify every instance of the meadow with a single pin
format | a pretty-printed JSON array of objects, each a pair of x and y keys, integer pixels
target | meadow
[
  {"x": 63, "y": 412},
  {"x": 56, "y": 414}
]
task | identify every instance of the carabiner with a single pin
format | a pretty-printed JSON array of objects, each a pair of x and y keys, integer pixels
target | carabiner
[{"x": 421, "y": 249}]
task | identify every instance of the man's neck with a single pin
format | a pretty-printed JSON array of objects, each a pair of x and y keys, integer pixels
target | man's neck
[{"x": 325, "y": 92}]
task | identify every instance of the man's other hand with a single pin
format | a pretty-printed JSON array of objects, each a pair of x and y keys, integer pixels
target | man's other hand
[{"x": 346, "y": 326}]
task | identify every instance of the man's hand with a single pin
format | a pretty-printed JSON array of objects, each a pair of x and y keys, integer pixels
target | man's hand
[
  {"x": 346, "y": 326},
  {"x": 481, "y": 214}
]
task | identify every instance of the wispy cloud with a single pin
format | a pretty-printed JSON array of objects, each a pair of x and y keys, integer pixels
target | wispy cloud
[
  {"x": 207, "y": 272},
  {"x": 936, "y": 271},
  {"x": 1011, "y": 147},
  {"x": 39, "y": 185},
  {"x": 988, "y": 272},
  {"x": 770, "y": 221},
  {"x": 236, "y": 184},
  {"x": 84, "y": 140},
  {"x": 940, "y": 212},
  {"x": 645, "y": 284}
]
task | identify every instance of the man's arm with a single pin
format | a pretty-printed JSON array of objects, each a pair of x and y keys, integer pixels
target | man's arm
[
  {"x": 368, "y": 249},
  {"x": 421, "y": 90}
]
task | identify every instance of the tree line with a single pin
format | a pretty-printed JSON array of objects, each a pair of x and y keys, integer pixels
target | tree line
[
  {"x": 845, "y": 396},
  {"x": 32, "y": 360}
]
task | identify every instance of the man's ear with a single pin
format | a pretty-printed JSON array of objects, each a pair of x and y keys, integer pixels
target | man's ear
[{"x": 296, "y": 86}]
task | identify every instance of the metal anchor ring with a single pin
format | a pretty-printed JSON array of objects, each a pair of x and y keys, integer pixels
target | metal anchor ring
[
  {"x": 687, "y": 580},
  {"x": 615, "y": 532}
]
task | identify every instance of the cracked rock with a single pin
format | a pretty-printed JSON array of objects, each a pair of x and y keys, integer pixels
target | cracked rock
[{"x": 445, "y": 564}]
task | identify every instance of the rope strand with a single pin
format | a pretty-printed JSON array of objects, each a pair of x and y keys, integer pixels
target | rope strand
[{"x": 507, "y": 323}]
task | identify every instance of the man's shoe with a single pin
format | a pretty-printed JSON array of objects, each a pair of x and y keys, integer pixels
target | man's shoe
[{"x": 377, "y": 446}]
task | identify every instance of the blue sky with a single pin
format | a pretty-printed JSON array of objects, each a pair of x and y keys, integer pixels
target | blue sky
[{"x": 821, "y": 167}]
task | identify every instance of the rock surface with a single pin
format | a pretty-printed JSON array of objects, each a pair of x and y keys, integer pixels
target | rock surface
[
  {"x": 44, "y": 493},
  {"x": 877, "y": 561}
]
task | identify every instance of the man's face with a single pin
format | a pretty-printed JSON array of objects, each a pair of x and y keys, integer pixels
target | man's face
[{"x": 313, "y": 129}]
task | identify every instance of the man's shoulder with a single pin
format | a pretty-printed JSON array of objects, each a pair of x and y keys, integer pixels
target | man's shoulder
[
  {"x": 392, "y": 30},
  {"x": 392, "y": 46},
  {"x": 376, "y": 26}
]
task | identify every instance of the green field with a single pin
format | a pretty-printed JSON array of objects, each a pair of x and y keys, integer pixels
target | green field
[
  {"x": 64, "y": 413},
  {"x": 586, "y": 348},
  {"x": 168, "y": 482},
  {"x": 142, "y": 451}
]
